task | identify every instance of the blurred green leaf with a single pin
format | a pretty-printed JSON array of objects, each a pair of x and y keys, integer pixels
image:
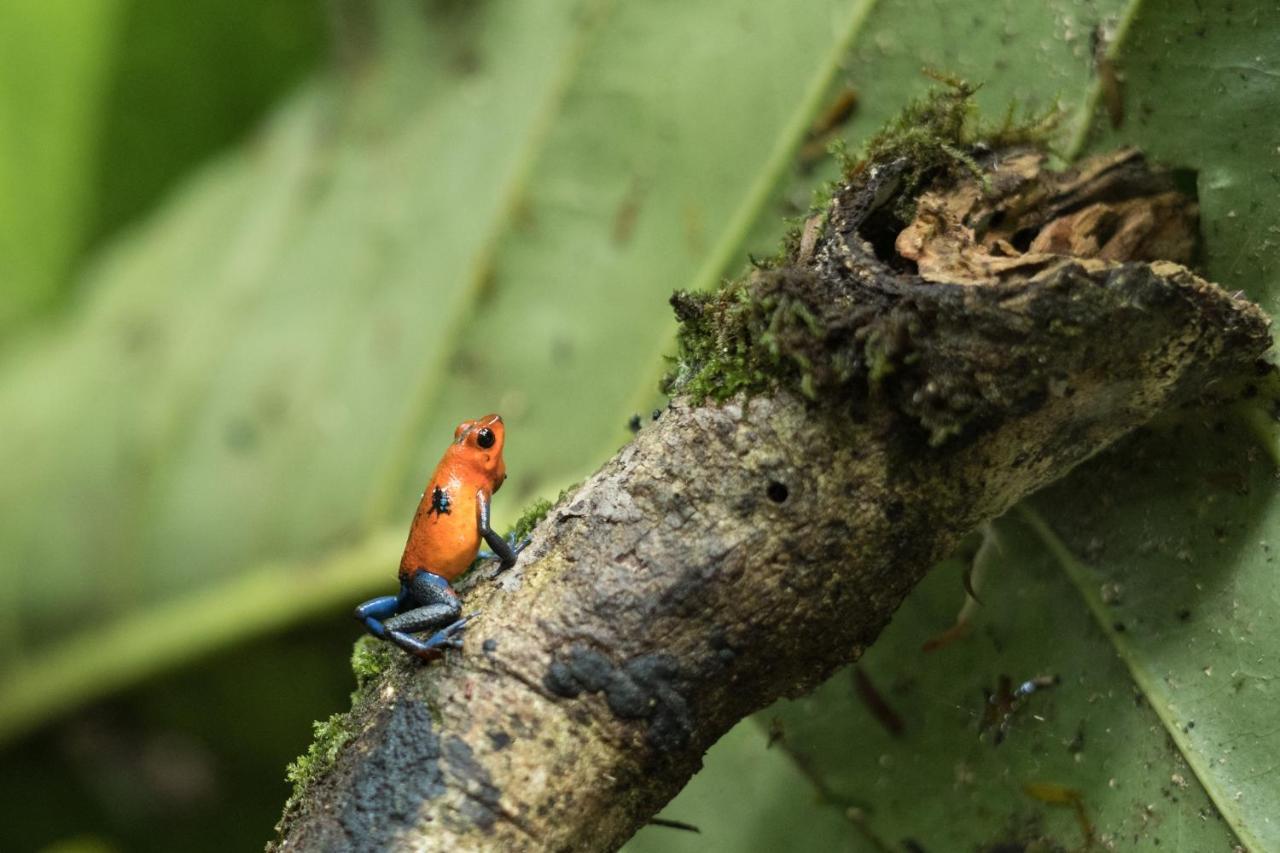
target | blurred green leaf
[
  {"x": 486, "y": 211},
  {"x": 763, "y": 802},
  {"x": 57, "y": 59},
  {"x": 187, "y": 80},
  {"x": 105, "y": 102},
  {"x": 192, "y": 760}
]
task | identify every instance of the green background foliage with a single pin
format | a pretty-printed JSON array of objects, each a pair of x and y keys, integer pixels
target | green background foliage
[{"x": 220, "y": 394}]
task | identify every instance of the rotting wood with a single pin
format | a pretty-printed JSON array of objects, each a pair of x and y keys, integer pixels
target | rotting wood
[{"x": 915, "y": 382}]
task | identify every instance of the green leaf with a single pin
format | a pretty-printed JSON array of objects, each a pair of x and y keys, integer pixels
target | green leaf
[
  {"x": 1187, "y": 514},
  {"x": 485, "y": 213},
  {"x": 1172, "y": 552},
  {"x": 946, "y": 787},
  {"x": 172, "y": 61},
  {"x": 57, "y": 63},
  {"x": 1170, "y": 530},
  {"x": 82, "y": 87},
  {"x": 1200, "y": 88},
  {"x": 764, "y": 803}
]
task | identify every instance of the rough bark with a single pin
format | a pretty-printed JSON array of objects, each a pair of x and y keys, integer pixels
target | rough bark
[{"x": 740, "y": 551}]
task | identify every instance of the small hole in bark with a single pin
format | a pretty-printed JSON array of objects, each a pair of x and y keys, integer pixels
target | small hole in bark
[
  {"x": 1023, "y": 238},
  {"x": 777, "y": 492},
  {"x": 1108, "y": 224}
]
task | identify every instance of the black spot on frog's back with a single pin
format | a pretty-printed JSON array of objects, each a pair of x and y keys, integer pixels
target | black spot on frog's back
[{"x": 441, "y": 502}]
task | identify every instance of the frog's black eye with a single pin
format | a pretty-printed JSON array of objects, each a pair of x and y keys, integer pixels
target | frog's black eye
[{"x": 485, "y": 438}]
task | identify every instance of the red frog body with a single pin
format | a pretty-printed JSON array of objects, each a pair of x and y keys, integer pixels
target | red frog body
[
  {"x": 445, "y": 536},
  {"x": 451, "y": 521}
]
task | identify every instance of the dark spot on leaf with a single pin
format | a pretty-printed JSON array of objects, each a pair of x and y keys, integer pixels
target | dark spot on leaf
[{"x": 241, "y": 435}]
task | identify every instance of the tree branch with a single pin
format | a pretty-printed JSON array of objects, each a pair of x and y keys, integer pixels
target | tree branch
[{"x": 740, "y": 551}]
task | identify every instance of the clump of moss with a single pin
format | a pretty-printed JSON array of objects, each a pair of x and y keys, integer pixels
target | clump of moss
[
  {"x": 932, "y": 133},
  {"x": 535, "y": 512},
  {"x": 531, "y": 517},
  {"x": 937, "y": 133},
  {"x": 370, "y": 657},
  {"x": 778, "y": 325},
  {"x": 751, "y": 334},
  {"x": 330, "y": 736}
]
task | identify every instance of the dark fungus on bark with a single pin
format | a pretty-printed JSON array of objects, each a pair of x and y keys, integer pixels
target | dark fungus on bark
[{"x": 843, "y": 418}]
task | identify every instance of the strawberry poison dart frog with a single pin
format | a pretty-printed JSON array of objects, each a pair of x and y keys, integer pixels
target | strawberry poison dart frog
[{"x": 452, "y": 518}]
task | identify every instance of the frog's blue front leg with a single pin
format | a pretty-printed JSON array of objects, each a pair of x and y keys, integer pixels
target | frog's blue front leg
[
  {"x": 514, "y": 546},
  {"x": 505, "y": 550},
  {"x": 372, "y": 613}
]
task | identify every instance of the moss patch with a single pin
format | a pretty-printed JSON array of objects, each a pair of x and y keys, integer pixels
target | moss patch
[
  {"x": 369, "y": 659},
  {"x": 774, "y": 327},
  {"x": 937, "y": 134},
  {"x": 532, "y": 517},
  {"x": 330, "y": 736},
  {"x": 747, "y": 336},
  {"x": 536, "y": 511}
]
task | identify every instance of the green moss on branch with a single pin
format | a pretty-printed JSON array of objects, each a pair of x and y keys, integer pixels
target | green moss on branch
[{"x": 773, "y": 328}]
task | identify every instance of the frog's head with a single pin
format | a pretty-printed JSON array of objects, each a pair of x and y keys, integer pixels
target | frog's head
[{"x": 479, "y": 444}]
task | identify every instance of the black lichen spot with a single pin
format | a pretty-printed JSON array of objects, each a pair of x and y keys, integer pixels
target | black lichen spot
[
  {"x": 648, "y": 687},
  {"x": 481, "y": 805},
  {"x": 725, "y": 653},
  {"x": 401, "y": 771},
  {"x": 490, "y": 646},
  {"x": 499, "y": 739},
  {"x": 777, "y": 492},
  {"x": 591, "y": 669},
  {"x": 689, "y": 595},
  {"x": 634, "y": 424},
  {"x": 559, "y": 680}
]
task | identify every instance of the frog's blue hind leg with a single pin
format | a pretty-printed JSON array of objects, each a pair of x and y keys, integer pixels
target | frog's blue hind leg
[
  {"x": 374, "y": 611},
  {"x": 438, "y": 610}
]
